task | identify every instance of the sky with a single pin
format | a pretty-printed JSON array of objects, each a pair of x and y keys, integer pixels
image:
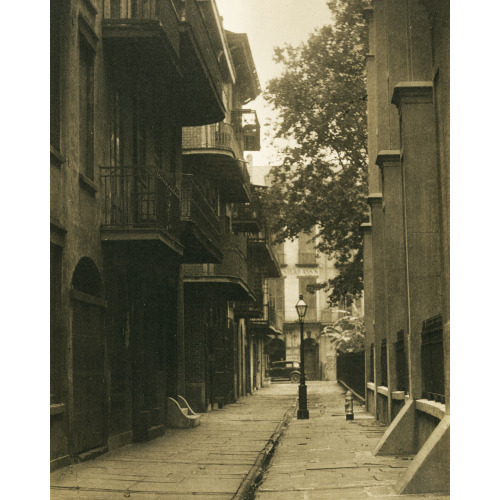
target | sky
[{"x": 269, "y": 24}]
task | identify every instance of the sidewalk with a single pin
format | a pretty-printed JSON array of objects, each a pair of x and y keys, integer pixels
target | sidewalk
[
  {"x": 218, "y": 459},
  {"x": 327, "y": 457}
]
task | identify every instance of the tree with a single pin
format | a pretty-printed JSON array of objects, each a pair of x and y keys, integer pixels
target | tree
[
  {"x": 320, "y": 99},
  {"x": 350, "y": 333}
]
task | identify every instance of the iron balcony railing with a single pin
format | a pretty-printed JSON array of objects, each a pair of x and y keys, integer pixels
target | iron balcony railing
[
  {"x": 164, "y": 11},
  {"x": 193, "y": 16},
  {"x": 196, "y": 208},
  {"x": 217, "y": 136},
  {"x": 248, "y": 212},
  {"x": 140, "y": 197},
  {"x": 247, "y": 128},
  {"x": 233, "y": 266}
]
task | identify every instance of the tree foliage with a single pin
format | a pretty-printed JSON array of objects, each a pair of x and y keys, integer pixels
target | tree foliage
[
  {"x": 320, "y": 99},
  {"x": 350, "y": 333}
]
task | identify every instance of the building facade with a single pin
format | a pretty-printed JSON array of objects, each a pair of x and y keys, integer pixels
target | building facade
[
  {"x": 406, "y": 242},
  {"x": 130, "y": 211},
  {"x": 302, "y": 265}
]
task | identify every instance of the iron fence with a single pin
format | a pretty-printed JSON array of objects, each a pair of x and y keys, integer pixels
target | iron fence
[
  {"x": 351, "y": 370},
  {"x": 383, "y": 362},
  {"x": 371, "y": 376},
  {"x": 432, "y": 357},
  {"x": 401, "y": 363}
]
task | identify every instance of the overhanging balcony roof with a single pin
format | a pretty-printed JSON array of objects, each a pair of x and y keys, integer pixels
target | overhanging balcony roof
[
  {"x": 230, "y": 277},
  {"x": 143, "y": 40},
  {"x": 214, "y": 150}
]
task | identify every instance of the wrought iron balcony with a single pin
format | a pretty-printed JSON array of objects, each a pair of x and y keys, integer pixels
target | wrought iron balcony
[
  {"x": 201, "y": 41},
  {"x": 218, "y": 138},
  {"x": 140, "y": 203},
  {"x": 247, "y": 128},
  {"x": 263, "y": 253},
  {"x": 216, "y": 149},
  {"x": 143, "y": 35},
  {"x": 230, "y": 277},
  {"x": 248, "y": 217},
  {"x": 201, "y": 235}
]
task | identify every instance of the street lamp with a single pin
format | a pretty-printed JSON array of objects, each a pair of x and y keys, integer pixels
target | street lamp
[{"x": 303, "y": 412}]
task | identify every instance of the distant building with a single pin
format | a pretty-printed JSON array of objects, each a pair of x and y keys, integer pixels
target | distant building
[{"x": 302, "y": 265}]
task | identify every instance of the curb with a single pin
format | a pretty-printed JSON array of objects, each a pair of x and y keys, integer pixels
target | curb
[{"x": 244, "y": 491}]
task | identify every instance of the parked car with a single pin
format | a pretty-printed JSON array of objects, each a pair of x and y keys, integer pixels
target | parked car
[{"x": 285, "y": 370}]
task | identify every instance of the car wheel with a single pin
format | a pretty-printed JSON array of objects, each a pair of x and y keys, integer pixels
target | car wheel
[{"x": 295, "y": 378}]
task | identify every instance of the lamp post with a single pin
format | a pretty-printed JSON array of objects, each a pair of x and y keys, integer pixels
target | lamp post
[{"x": 303, "y": 412}]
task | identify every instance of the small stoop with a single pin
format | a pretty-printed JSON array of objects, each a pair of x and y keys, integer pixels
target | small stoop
[
  {"x": 91, "y": 454},
  {"x": 180, "y": 415}
]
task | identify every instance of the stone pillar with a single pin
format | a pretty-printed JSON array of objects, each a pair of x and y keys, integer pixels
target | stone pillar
[
  {"x": 394, "y": 258},
  {"x": 375, "y": 201},
  {"x": 415, "y": 104},
  {"x": 181, "y": 356},
  {"x": 368, "y": 298}
]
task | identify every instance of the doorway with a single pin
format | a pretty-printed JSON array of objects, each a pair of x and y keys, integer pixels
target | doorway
[{"x": 88, "y": 358}]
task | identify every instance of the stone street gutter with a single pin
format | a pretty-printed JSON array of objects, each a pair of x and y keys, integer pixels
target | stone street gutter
[{"x": 249, "y": 484}]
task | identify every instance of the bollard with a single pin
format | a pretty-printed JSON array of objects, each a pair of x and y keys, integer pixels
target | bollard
[{"x": 349, "y": 406}]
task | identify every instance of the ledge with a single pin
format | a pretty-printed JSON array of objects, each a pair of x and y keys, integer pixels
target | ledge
[
  {"x": 388, "y": 158},
  {"x": 415, "y": 91},
  {"x": 368, "y": 13},
  {"x": 374, "y": 198},
  {"x": 57, "y": 409},
  {"x": 87, "y": 183},
  {"x": 398, "y": 395},
  {"x": 382, "y": 389},
  {"x": 433, "y": 408},
  {"x": 370, "y": 386}
]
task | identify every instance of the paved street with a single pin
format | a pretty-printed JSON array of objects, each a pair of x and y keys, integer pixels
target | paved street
[
  {"x": 323, "y": 457},
  {"x": 327, "y": 457},
  {"x": 210, "y": 461}
]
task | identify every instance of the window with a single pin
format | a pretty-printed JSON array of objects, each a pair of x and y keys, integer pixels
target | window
[
  {"x": 280, "y": 253},
  {"x": 309, "y": 298},
  {"x": 307, "y": 252},
  {"x": 86, "y": 79},
  {"x": 115, "y": 132}
]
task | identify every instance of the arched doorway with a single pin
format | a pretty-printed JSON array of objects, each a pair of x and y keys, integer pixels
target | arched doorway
[
  {"x": 276, "y": 350},
  {"x": 88, "y": 357},
  {"x": 311, "y": 359}
]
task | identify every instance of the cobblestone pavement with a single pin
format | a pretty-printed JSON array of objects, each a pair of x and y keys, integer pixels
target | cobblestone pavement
[
  {"x": 327, "y": 457},
  {"x": 217, "y": 459}
]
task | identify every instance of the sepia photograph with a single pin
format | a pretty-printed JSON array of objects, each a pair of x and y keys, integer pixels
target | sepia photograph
[{"x": 249, "y": 250}]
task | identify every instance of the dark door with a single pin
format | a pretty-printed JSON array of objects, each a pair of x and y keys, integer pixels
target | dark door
[
  {"x": 223, "y": 367},
  {"x": 311, "y": 359},
  {"x": 88, "y": 377}
]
